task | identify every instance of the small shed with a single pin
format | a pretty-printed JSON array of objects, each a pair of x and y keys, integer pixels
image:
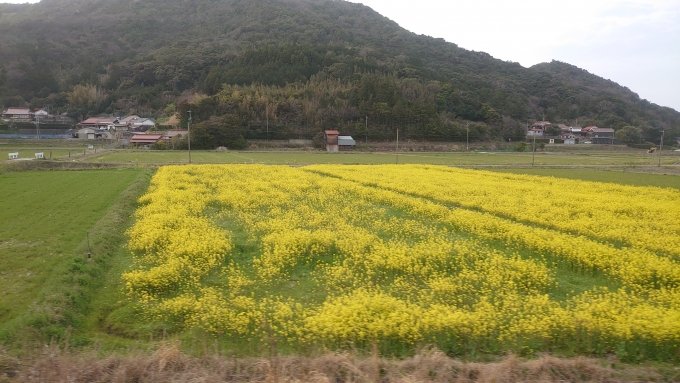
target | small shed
[
  {"x": 331, "y": 141},
  {"x": 346, "y": 142},
  {"x": 87, "y": 133},
  {"x": 170, "y": 134},
  {"x": 145, "y": 139}
]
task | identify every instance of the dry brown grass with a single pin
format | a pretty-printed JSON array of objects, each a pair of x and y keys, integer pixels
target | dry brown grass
[{"x": 169, "y": 364}]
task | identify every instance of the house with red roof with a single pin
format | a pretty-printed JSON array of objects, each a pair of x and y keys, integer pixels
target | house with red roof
[
  {"x": 18, "y": 114},
  {"x": 331, "y": 141},
  {"x": 145, "y": 139}
]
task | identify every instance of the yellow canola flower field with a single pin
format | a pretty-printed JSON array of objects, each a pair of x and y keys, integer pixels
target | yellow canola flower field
[
  {"x": 647, "y": 218},
  {"x": 335, "y": 256}
]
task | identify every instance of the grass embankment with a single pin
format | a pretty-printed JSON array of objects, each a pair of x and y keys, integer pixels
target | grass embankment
[
  {"x": 575, "y": 159},
  {"x": 169, "y": 364},
  {"x": 44, "y": 218}
]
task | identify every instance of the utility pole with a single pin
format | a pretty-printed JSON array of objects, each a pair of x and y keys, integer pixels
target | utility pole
[
  {"x": 661, "y": 147},
  {"x": 189, "y": 135},
  {"x": 367, "y": 129},
  {"x": 267, "y": 122},
  {"x": 533, "y": 154},
  {"x": 397, "y": 146},
  {"x": 467, "y": 137},
  {"x": 37, "y": 126}
]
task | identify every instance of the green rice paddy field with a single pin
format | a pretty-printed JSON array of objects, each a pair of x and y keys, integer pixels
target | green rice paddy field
[
  {"x": 576, "y": 159},
  {"x": 44, "y": 220}
]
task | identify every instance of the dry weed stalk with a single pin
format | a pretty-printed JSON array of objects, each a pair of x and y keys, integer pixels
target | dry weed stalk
[{"x": 169, "y": 364}]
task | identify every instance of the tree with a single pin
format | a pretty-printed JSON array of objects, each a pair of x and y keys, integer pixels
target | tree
[
  {"x": 86, "y": 97},
  {"x": 15, "y": 101},
  {"x": 629, "y": 135},
  {"x": 225, "y": 131},
  {"x": 490, "y": 114},
  {"x": 553, "y": 131}
]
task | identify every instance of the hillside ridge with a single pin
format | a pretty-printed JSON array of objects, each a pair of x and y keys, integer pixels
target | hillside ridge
[{"x": 128, "y": 56}]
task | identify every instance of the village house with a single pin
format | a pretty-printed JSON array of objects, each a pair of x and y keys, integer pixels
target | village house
[
  {"x": 18, "y": 114},
  {"x": 570, "y": 138},
  {"x": 538, "y": 129},
  {"x": 129, "y": 119},
  {"x": 601, "y": 135},
  {"x": 138, "y": 124},
  {"x": 588, "y": 129},
  {"x": 87, "y": 134},
  {"x": 535, "y": 132},
  {"x": 143, "y": 125},
  {"x": 567, "y": 136},
  {"x": 41, "y": 114},
  {"x": 145, "y": 139},
  {"x": 100, "y": 123},
  {"x": 542, "y": 125}
]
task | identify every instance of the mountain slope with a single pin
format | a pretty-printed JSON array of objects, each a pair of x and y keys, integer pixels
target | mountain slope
[{"x": 147, "y": 56}]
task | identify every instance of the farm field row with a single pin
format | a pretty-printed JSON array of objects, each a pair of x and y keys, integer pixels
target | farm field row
[
  {"x": 306, "y": 158},
  {"x": 340, "y": 256}
]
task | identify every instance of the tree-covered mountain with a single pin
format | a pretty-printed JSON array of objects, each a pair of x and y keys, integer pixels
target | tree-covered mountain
[{"x": 305, "y": 65}]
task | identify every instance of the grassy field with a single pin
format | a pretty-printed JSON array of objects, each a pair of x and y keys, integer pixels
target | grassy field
[
  {"x": 463, "y": 159},
  {"x": 49, "y": 143},
  {"x": 618, "y": 177},
  {"x": 44, "y": 218},
  {"x": 59, "y": 149}
]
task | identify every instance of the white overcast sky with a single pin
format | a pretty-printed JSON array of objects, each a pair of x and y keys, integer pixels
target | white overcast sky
[{"x": 633, "y": 42}]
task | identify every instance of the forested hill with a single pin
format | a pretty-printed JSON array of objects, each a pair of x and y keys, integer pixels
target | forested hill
[{"x": 308, "y": 64}]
